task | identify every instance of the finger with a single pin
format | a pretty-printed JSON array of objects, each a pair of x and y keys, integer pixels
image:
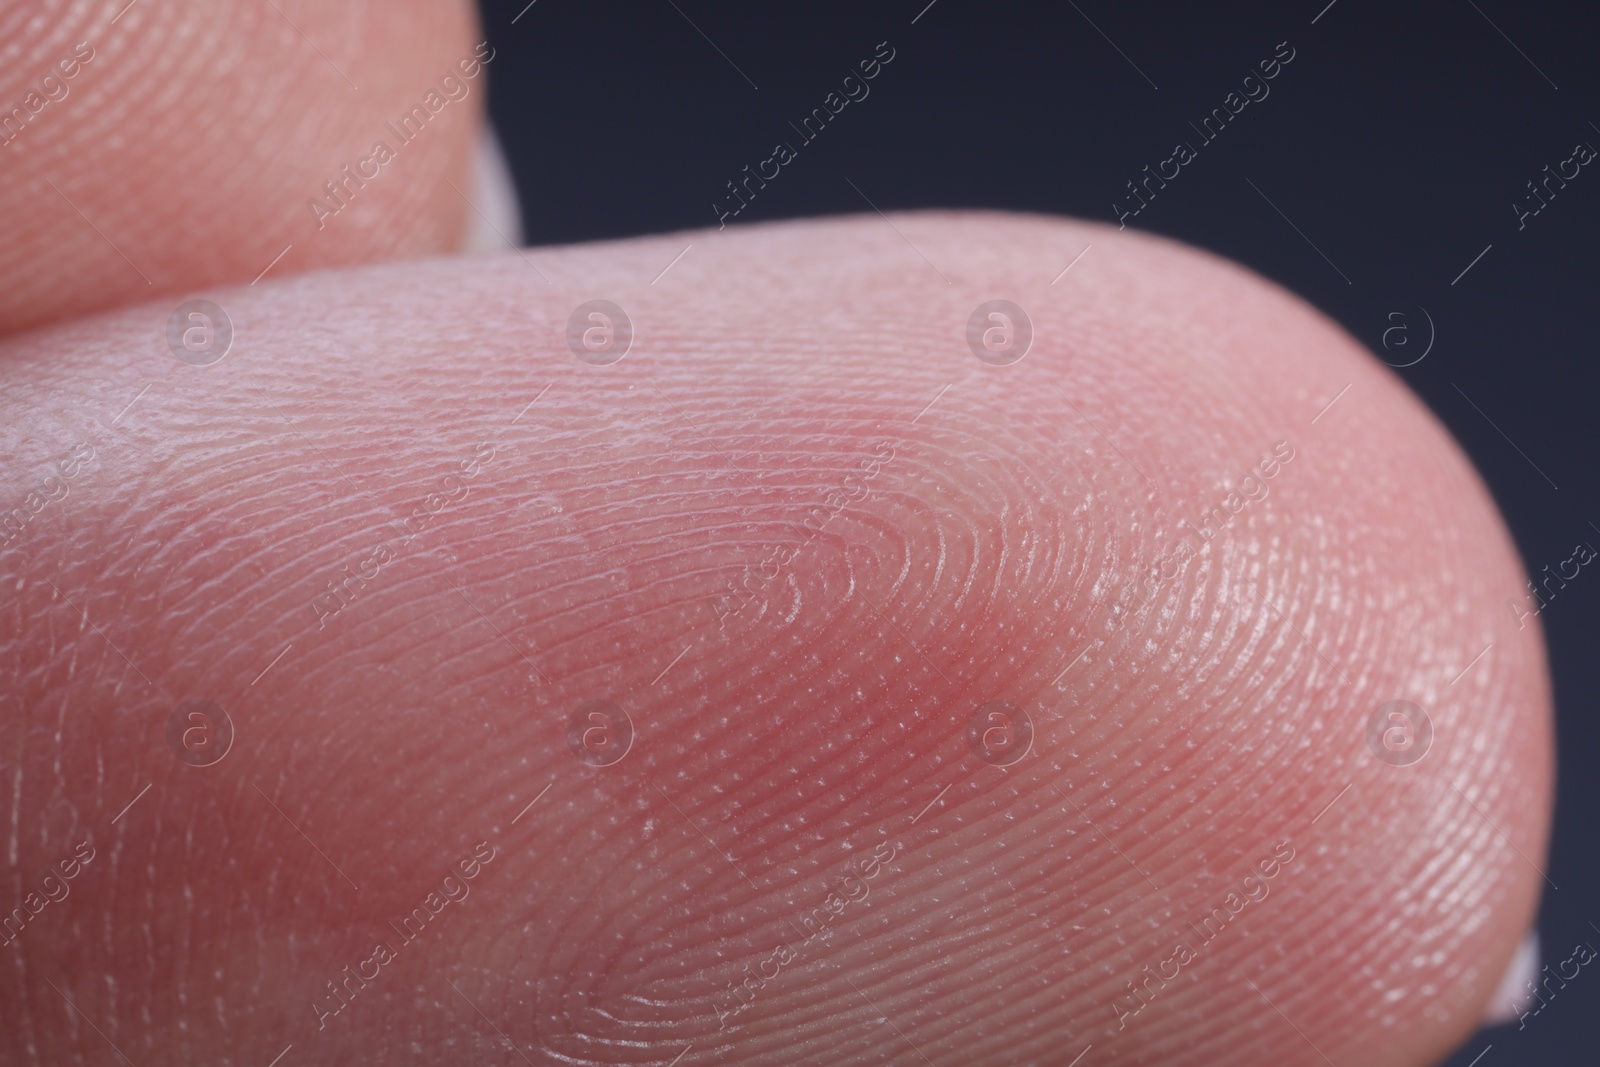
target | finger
[
  {"x": 258, "y": 109},
  {"x": 702, "y": 647},
  {"x": 496, "y": 221}
]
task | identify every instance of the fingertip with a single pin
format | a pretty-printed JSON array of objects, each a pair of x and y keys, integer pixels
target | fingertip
[{"x": 192, "y": 142}]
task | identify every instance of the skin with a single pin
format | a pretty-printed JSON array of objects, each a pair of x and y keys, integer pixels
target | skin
[
  {"x": 1018, "y": 540},
  {"x": 183, "y": 154},
  {"x": 995, "y": 556}
]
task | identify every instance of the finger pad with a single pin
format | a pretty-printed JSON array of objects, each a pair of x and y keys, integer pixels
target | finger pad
[{"x": 805, "y": 538}]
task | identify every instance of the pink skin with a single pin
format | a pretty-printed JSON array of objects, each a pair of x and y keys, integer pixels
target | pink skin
[
  {"x": 993, "y": 555},
  {"x": 185, "y": 150}
]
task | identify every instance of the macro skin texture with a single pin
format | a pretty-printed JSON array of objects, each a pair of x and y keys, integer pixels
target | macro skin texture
[
  {"x": 803, "y": 538},
  {"x": 178, "y": 145}
]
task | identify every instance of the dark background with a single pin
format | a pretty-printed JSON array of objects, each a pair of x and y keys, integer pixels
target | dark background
[{"x": 1396, "y": 140}]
